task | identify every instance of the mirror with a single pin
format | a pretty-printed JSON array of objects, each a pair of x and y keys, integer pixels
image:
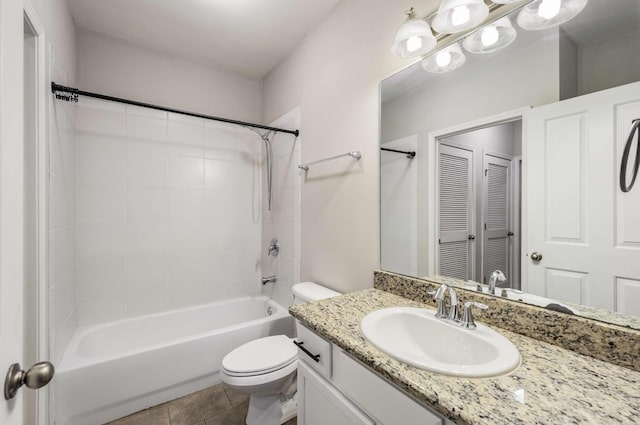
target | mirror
[{"x": 512, "y": 162}]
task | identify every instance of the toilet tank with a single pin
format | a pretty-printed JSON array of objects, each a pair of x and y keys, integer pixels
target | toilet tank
[{"x": 305, "y": 292}]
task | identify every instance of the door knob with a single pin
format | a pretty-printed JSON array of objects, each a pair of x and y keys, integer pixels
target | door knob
[
  {"x": 536, "y": 256},
  {"x": 471, "y": 237},
  {"x": 36, "y": 377}
]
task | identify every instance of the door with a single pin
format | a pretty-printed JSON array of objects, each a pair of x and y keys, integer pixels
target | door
[
  {"x": 320, "y": 403},
  {"x": 497, "y": 247},
  {"x": 11, "y": 198},
  {"x": 455, "y": 213},
  {"x": 583, "y": 233}
]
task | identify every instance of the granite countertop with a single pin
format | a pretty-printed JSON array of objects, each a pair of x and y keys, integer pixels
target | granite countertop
[{"x": 552, "y": 385}]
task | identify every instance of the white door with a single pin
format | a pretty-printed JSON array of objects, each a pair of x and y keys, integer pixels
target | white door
[
  {"x": 585, "y": 229},
  {"x": 11, "y": 198},
  {"x": 455, "y": 213},
  {"x": 320, "y": 403},
  {"x": 496, "y": 234}
]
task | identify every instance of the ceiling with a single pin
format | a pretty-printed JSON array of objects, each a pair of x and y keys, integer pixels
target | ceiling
[{"x": 244, "y": 37}]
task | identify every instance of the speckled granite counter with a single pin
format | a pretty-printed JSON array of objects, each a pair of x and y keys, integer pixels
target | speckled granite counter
[{"x": 552, "y": 386}]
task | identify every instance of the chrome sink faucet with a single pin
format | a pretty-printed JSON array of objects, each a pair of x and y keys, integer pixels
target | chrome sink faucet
[
  {"x": 453, "y": 315},
  {"x": 440, "y": 297},
  {"x": 495, "y": 276}
]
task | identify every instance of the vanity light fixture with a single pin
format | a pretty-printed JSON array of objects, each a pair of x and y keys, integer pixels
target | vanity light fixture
[
  {"x": 543, "y": 14},
  {"x": 491, "y": 38},
  {"x": 414, "y": 37},
  {"x": 459, "y": 15},
  {"x": 445, "y": 60}
]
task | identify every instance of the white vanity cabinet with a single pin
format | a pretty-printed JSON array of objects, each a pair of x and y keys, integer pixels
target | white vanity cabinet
[
  {"x": 338, "y": 390},
  {"x": 320, "y": 403}
]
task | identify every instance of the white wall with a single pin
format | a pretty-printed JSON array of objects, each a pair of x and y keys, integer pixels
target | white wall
[
  {"x": 168, "y": 211},
  {"x": 56, "y": 18},
  {"x": 60, "y": 57},
  {"x": 333, "y": 75},
  {"x": 110, "y": 66},
  {"x": 399, "y": 218},
  {"x": 283, "y": 221},
  {"x": 608, "y": 63}
]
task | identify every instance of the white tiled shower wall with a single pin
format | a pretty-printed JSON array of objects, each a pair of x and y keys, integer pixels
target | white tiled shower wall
[
  {"x": 283, "y": 221},
  {"x": 168, "y": 211},
  {"x": 62, "y": 222}
]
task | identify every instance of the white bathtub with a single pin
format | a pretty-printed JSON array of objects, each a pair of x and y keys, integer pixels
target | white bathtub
[{"x": 114, "y": 369}]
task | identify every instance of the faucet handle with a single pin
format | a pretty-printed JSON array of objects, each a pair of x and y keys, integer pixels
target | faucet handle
[
  {"x": 467, "y": 321},
  {"x": 505, "y": 292}
]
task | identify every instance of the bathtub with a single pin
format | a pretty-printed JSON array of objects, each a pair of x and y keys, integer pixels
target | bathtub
[{"x": 114, "y": 369}]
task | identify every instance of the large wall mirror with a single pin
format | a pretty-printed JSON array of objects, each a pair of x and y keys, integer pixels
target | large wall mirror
[{"x": 512, "y": 162}]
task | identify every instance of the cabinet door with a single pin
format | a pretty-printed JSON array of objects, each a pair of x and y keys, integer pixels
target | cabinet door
[
  {"x": 319, "y": 403},
  {"x": 377, "y": 397}
]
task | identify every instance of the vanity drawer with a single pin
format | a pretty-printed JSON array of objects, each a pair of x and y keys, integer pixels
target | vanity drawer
[
  {"x": 314, "y": 345},
  {"x": 376, "y": 396}
]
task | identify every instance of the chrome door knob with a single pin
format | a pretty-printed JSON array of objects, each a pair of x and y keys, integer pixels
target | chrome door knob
[
  {"x": 536, "y": 256},
  {"x": 39, "y": 375}
]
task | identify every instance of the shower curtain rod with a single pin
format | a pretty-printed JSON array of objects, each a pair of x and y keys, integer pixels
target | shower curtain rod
[
  {"x": 410, "y": 154},
  {"x": 73, "y": 93}
]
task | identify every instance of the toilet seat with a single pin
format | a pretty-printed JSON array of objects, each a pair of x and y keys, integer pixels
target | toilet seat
[{"x": 260, "y": 357}]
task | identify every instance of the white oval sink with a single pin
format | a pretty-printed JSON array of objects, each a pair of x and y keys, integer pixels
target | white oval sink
[{"x": 415, "y": 336}]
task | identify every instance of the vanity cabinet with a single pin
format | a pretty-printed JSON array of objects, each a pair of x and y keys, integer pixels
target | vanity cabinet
[
  {"x": 339, "y": 390},
  {"x": 320, "y": 403}
]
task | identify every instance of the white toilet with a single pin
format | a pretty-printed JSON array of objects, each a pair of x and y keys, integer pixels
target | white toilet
[{"x": 266, "y": 368}]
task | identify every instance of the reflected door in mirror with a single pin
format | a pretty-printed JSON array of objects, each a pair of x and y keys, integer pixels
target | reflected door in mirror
[
  {"x": 456, "y": 213},
  {"x": 586, "y": 229}
]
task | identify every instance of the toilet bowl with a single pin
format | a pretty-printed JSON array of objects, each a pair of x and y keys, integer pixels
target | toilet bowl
[{"x": 265, "y": 368}]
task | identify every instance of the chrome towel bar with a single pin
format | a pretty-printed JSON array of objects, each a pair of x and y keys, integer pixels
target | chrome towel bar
[{"x": 353, "y": 154}]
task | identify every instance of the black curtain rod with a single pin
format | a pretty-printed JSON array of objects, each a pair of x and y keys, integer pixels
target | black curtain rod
[
  {"x": 73, "y": 94},
  {"x": 410, "y": 154}
]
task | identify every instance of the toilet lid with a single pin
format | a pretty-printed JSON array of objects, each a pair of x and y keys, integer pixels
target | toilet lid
[{"x": 261, "y": 355}]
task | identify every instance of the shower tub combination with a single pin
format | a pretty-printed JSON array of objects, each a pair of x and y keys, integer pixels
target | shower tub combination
[{"x": 114, "y": 369}]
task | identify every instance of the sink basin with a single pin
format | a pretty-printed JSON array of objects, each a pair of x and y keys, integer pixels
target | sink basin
[{"x": 415, "y": 336}]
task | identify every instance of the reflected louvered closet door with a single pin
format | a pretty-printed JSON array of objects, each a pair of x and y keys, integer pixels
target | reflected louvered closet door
[
  {"x": 455, "y": 212},
  {"x": 497, "y": 217}
]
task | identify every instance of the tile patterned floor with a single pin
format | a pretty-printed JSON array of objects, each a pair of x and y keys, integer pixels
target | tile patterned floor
[{"x": 217, "y": 405}]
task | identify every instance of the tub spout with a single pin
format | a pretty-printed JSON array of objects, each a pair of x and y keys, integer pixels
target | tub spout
[{"x": 268, "y": 279}]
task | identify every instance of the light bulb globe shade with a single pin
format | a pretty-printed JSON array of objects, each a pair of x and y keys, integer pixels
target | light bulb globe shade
[
  {"x": 459, "y": 15},
  {"x": 445, "y": 60},
  {"x": 543, "y": 14},
  {"x": 414, "y": 38},
  {"x": 491, "y": 38}
]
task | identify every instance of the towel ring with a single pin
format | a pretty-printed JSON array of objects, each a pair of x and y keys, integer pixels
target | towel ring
[{"x": 635, "y": 125}]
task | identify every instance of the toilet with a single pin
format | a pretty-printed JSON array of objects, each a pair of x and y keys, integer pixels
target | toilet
[{"x": 266, "y": 368}]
